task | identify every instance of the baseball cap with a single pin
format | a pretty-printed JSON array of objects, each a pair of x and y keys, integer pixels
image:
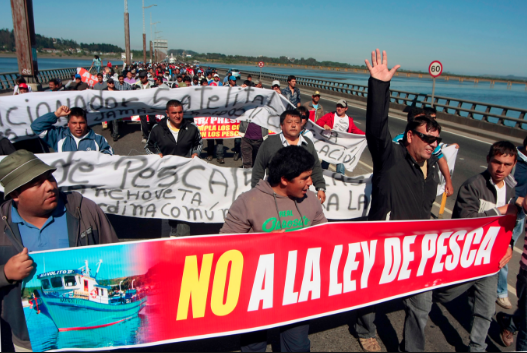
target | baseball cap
[
  {"x": 22, "y": 85},
  {"x": 19, "y": 168},
  {"x": 77, "y": 76},
  {"x": 317, "y": 93},
  {"x": 216, "y": 75},
  {"x": 232, "y": 78},
  {"x": 276, "y": 83},
  {"x": 343, "y": 103}
]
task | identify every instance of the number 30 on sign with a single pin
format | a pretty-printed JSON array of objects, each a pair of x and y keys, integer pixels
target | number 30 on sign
[{"x": 435, "y": 69}]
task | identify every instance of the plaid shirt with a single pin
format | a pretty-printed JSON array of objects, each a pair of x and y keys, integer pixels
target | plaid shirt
[
  {"x": 124, "y": 87},
  {"x": 294, "y": 97}
]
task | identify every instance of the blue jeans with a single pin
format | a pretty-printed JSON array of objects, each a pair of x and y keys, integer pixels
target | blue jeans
[
  {"x": 518, "y": 322},
  {"x": 340, "y": 167},
  {"x": 502, "y": 275}
]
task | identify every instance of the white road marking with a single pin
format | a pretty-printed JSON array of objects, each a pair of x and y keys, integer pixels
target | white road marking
[
  {"x": 511, "y": 289},
  {"x": 518, "y": 250}
]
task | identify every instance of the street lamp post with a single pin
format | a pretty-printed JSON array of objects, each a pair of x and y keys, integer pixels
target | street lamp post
[
  {"x": 144, "y": 30},
  {"x": 127, "y": 32},
  {"x": 151, "y": 37}
]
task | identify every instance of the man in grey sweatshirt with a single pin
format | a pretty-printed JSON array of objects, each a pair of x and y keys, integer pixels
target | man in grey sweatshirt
[
  {"x": 282, "y": 204},
  {"x": 291, "y": 125}
]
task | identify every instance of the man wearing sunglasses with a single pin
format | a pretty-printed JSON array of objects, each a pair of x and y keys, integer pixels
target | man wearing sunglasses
[{"x": 404, "y": 182}]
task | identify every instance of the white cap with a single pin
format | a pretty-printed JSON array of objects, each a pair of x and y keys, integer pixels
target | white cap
[
  {"x": 276, "y": 83},
  {"x": 216, "y": 75}
]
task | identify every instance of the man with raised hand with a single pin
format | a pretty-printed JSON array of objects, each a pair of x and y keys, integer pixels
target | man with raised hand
[
  {"x": 281, "y": 204},
  {"x": 404, "y": 181},
  {"x": 291, "y": 125},
  {"x": 38, "y": 217},
  {"x": 175, "y": 136},
  {"x": 77, "y": 136}
]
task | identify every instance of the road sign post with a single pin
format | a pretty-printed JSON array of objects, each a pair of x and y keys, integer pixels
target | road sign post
[
  {"x": 435, "y": 70},
  {"x": 261, "y": 64}
]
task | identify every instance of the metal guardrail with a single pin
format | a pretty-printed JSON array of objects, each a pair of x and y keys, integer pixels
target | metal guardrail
[
  {"x": 7, "y": 79},
  {"x": 498, "y": 114}
]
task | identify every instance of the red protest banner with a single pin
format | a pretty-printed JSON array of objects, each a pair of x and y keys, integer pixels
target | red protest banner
[
  {"x": 90, "y": 79},
  {"x": 207, "y": 286},
  {"x": 218, "y": 128}
]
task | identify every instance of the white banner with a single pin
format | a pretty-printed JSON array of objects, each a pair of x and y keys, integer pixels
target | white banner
[
  {"x": 181, "y": 188},
  {"x": 337, "y": 147},
  {"x": 450, "y": 153},
  {"x": 260, "y": 106}
]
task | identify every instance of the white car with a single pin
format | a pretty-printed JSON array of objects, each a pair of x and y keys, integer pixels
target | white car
[{"x": 236, "y": 73}]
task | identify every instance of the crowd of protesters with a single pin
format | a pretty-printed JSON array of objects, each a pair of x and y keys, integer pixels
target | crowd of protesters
[{"x": 37, "y": 216}]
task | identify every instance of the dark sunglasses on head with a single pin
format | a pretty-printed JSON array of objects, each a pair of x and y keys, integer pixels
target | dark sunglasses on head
[{"x": 427, "y": 138}]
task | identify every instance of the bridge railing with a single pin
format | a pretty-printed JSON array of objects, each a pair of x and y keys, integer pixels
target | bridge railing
[
  {"x": 493, "y": 113},
  {"x": 7, "y": 79}
]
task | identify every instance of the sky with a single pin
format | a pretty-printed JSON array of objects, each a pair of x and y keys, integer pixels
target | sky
[{"x": 468, "y": 37}]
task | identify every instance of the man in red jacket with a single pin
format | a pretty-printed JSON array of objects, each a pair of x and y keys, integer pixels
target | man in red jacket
[{"x": 339, "y": 121}]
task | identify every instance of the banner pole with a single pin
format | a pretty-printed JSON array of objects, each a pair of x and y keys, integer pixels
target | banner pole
[
  {"x": 443, "y": 204},
  {"x": 433, "y": 90}
]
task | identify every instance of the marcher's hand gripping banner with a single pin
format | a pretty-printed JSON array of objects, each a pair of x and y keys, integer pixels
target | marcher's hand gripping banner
[{"x": 159, "y": 291}]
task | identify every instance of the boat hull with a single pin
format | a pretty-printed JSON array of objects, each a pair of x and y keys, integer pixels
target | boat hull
[{"x": 71, "y": 314}]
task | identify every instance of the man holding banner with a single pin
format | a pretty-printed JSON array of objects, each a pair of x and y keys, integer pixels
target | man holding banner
[
  {"x": 175, "y": 136},
  {"x": 282, "y": 204},
  {"x": 77, "y": 136},
  {"x": 490, "y": 193},
  {"x": 38, "y": 217}
]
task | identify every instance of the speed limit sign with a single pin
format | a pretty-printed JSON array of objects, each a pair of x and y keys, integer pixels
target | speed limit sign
[
  {"x": 435, "y": 69},
  {"x": 261, "y": 64}
]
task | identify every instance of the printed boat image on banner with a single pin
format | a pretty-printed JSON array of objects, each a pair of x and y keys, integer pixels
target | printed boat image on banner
[
  {"x": 94, "y": 297},
  {"x": 68, "y": 294}
]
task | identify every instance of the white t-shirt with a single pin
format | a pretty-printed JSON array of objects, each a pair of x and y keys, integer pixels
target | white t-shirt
[
  {"x": 173, "y": 130},
  {"x": 341, "y": 124},
  {"x": 78, "y": 139},
  {"x": 501, "y": 193}
]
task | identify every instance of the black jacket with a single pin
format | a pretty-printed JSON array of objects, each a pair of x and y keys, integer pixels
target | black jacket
[
  {"x": 399, "y": 189},
  {"x": 477, "y": 197},
  {"x": 87, "y": 225},
  {"x": 268, "y": 149},
  {"x": 162, "y": 141}
]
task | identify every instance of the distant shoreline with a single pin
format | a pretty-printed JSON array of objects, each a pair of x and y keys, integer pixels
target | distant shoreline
[{"x": 51, "y": 56}]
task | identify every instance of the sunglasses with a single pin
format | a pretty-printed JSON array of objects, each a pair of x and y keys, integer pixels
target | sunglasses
[{"x": 427, "y": 138}]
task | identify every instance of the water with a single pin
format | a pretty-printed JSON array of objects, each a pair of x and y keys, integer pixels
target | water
[
  {"x": 482, "y": 92},
  {"x": 11, "y": 64},
  {"x": 45, "y": 336},
  {"x": 499, "y": 94}
]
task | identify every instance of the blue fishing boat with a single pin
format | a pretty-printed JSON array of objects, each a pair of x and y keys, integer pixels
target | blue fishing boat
[{"x": 74, "y": 300}]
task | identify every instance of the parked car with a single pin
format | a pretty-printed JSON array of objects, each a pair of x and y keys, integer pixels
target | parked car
[{"x": 236, "y": 73}]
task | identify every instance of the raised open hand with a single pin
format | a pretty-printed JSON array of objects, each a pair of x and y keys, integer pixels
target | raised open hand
[{"x": 379, "y": 67}]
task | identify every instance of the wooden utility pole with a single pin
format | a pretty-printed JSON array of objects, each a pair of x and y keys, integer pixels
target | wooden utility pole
[
  {"x": 25, "y": 40},
  {"x": 127, "y": 33}
]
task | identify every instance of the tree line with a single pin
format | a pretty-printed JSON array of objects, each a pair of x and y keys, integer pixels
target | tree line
[{"x": 7, "y": 41}]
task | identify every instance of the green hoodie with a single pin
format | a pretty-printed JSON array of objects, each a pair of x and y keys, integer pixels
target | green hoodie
[{"x": 262, "y": 210}]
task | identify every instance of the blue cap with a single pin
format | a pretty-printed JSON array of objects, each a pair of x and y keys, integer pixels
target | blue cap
[
  {"x": 78, "y": 76},
  {"x": 232, "y": 78}
]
